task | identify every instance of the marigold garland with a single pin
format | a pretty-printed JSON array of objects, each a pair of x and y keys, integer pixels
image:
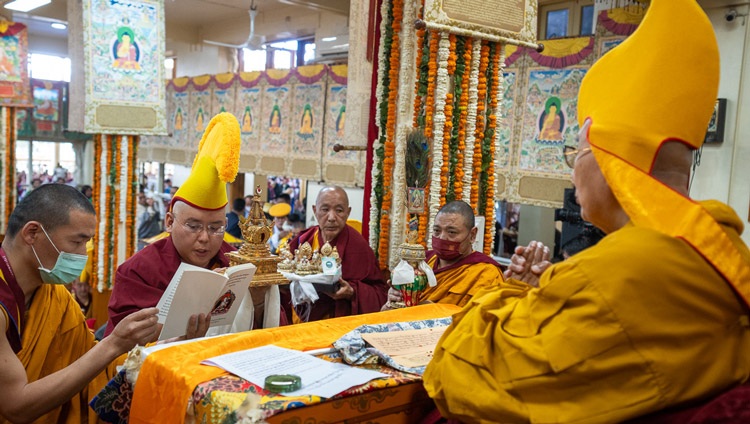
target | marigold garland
[
  {"x": 9, "y": 159},
  {"x": 448, "y": 126},
  {"x": 431, "y": 83},
  {"x": 420, "y": 84},
  {"x": 460, "y": 69},
  {"x": 96, "y": 201},
  {"x": 390, "y": 128},
  {"x": 384, "y": 52},
  {"x": 132, "y": 187},
  {"x": 116, "y": 218},
  {"x": 494, "y": 71},
  {"x": 479, "y": 131},
  {"x": 463, "y": 107}
]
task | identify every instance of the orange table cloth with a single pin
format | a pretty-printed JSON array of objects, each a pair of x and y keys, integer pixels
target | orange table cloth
[{"x": 168, "y": 377}]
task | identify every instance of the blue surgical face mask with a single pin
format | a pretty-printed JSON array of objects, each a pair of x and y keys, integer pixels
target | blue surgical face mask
[{"x": 67, "y": 268}]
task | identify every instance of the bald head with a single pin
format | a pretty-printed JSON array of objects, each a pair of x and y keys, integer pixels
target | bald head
[
  {"x": 462, "y": 208},
  {"x": 332, "y": 209},
  {"x": 325, "y": 191}
]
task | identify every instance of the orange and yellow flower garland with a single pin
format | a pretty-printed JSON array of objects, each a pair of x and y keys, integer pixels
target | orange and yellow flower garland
[
  {"x": 421, "y": 33},
  {"x": 431, "y": 82},
  {"x": 463, "y": 107},
  {"x": 132, "y": 189},
  {"x": 96, "y": 201},
  {"x": 9, "y": 168},
  {"x": 117, "y": 188},
  {"x": 448, "y": 126},
  {"x": 390, "y": 129},
  {"x": 489, "y": 206},
  {"x": 479, "y": 131}
]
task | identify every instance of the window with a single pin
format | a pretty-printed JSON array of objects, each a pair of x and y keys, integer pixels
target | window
[
  {"x": 587, "y": 20},
  {"x": 284, "y": 54},
  {"x": 565, "y": 18},
  {"x": 254, "y": 60},
  {"x": 53, "y": 68},
  {"x": 557, "y": 24}
]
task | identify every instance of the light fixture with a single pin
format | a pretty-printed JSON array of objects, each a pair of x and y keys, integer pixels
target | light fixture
[
  {"x": 326, "y": 39},
  {"x": 26, "y": 5},
  {"x": 58, "y": 25}
]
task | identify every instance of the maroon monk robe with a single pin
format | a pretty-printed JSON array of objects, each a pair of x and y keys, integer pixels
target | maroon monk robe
[
  {"x": 473, "y": 258},
  {"x": 141, "y": 280},
  {"x": 358, "y": 267},
  {"x": 13, "y": 301}
]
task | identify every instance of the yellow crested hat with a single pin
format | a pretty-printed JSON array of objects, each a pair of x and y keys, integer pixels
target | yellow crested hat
[
  {"x": 215, "y": 164},
  {"x": 659, "y": 85}
]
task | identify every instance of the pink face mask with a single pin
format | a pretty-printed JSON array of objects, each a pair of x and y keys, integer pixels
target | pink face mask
[{"x": 445, "y": 249}]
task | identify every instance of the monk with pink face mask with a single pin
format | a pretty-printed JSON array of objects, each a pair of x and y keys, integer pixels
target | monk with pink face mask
[{"x": 459, "y": 270}]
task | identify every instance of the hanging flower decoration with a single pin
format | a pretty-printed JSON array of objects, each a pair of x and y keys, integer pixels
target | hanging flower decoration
[
  {"x": 488, "y": 158},
  {"x": 96, "y": 199},
  {"x": 459, "y": 72},
  {"x": 448, "y": 126},
  {"x": 390, "y": 128},
  {"x": 471, "y": 119},
  {"x": 463, "y": 108},
  {"x": 420, "y": 86},
  {"x": 384, "y": 51},
  {"x": 479, "y": 131},
  {"x": 431, "y": 83},
  {"x": 441, "y": 95}
]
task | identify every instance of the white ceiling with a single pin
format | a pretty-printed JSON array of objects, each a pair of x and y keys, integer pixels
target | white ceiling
[{"x": 182, "y": 14}]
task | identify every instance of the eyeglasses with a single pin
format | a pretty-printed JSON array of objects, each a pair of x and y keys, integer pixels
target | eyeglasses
[
  {"x": 570, "y": 154},
  {"x": 197, "y": 228}
]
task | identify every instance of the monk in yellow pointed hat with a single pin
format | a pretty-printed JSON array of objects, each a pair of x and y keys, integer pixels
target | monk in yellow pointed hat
[
  {"x": 196, "y": 223},
  {"x": 653, "y": 316}
]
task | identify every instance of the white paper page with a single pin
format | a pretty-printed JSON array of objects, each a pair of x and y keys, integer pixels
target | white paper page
[
  {"x": 235, "y": 290},
  {"x": 166, "y": 298},
  {"x": 196, "y": 294},
  {"x": 319, "y": 377}
]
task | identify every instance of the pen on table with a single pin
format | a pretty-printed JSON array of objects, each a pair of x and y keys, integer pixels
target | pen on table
[{"x": 323, "y": 351}]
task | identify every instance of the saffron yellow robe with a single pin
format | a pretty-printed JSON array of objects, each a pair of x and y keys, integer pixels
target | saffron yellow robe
[
  {"x": 54, "y": 337},
  {"x": 456, "y": 284},
  {"x": 635, "y": 324}
]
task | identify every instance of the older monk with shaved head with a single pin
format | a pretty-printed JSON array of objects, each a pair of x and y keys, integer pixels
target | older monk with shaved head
[{"x": 361, "y": 288}]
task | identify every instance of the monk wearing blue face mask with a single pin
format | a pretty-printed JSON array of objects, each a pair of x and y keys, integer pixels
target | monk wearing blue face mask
[
  {"x": 459, "y": 270},
  {"x": 51, "y": 363}
]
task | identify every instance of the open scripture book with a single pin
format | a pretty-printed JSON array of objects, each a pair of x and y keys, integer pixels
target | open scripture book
[{"x": 196, "y": 290}]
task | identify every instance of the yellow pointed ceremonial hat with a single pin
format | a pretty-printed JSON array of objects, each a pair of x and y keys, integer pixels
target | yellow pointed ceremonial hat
[
  {"x": 215, "y": 165},
  {"x": 658, "y": 86}
]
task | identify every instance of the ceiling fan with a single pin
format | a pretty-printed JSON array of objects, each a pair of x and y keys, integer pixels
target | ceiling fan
[{"x": 253, "y": 42}]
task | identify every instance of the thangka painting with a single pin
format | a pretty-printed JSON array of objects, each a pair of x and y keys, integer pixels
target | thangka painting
[
  {"x": 223, "y": 94},
  {"x": 334, "y": 126},
  {"x": 606, "y": 44},
  {"x": 549, "y": 119},
  {"x": 248, "y": 111},
  {"x": 506, "y": 119},
  {"x": 123, "y": 49},
  {"x": 307, "y": 120},
  {"x": 180, "y": 116},
  {"x": 276, "y": 120},
  {"x": 200, "y": 113},
  {"x": 14, "y": 75},
  {"x": 47, "y": 105}
]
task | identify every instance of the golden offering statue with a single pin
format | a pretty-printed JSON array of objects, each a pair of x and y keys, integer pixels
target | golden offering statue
[{"x": 256, "y": 230}]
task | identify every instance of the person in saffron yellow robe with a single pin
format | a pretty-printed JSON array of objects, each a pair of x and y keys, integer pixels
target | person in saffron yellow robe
[
  {"x": 51, "y": 364},
  {"x": 460, "y": 272},
  {"x": 656, "y": 314}
]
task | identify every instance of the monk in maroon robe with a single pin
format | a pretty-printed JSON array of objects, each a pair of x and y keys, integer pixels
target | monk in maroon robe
[
  {"x": 141, "y": 280},
  {"x": 362, "y": 288}
]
